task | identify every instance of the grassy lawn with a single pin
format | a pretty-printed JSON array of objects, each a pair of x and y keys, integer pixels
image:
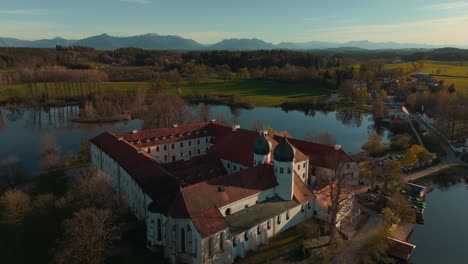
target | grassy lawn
[
  {"x": 276, "y": 247},
  {"x": 261, "y": 93}
]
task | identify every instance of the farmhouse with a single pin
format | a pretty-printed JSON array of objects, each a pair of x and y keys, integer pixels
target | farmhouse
[{"x": 209, "y": 193}]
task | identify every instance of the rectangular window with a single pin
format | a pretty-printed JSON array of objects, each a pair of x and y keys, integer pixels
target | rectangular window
[
  {"x": 198, "y": 152},
  {"x": 157, "y": 148},
  {"x": 190, "y": 143},
  {"x": 181, "y": 144},
  {"x": 181, "y": 154},
  {"x": 298, "y": 166},
  {"x": 281, "y": 170},
  {"x": 165, "y": 147},
  {"x": 165, "y": 157},
  {"x": 229, "y": 165},
  {"x": 303, "y": 165},
  {"x": 172, "y": 145},
  {"x": 190, "y": 153},
  {"x": 198, "y": 141},
  {"x": 206, "y": 139}
]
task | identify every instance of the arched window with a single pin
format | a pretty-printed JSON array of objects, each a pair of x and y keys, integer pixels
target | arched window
[
  {"x": 182, "y": 240},
  {"x": 259, "y": 231},
  {"x": 189, "y": 238},
  {"x": 234, "y": 243},
  {"x": 210, "y": 247},
  {"x": 278, "y": 220},
  {"x": 246, "y": 236},
  {"x": 157, "y": 148},
  {"x": 221, "y": 242},
  {"x": 269, "y": 224},
  {"x": 287, "y": 215},
  {"x": 159, "y": 230},
  {"x": 228, "y": 211}
]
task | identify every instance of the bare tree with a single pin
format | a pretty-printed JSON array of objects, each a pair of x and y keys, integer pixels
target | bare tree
[
  {"x": 166, "y": 110},
  {"x": 49, "y": 156},
  {"x": 88, "y": 237},
  {"x": 16, "y": 204},
  {"x": 338, "y": 190},
  {"x": 11, "y": 171},
  {"x": 204, "y": 112},
  {"x": 91, "y": 189}
]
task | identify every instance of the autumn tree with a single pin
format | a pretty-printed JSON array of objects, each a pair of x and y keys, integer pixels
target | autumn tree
[
  {"x": 16, "y": 204},
  {"x": 49, "y": 152},
  {"x": 165, "y": 111},
  {"x": 410, "y": 158},
  {"x": 87, "y": 237},
  {"x": 374, "y": 145},
  {"x": 389, "y": 175},
  {"x": 375, "y": 248},
  {"x": 411, "y": 101},
  {"x": 379, "y": 109},
  {"x": 347, "y": 90},
  {"x": 369, "y": 171},
  {"x": 400, "y": 205}
]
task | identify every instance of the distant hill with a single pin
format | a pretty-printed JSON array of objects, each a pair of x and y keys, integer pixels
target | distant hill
[
  {"x": 170, "y": 42},
  {"x": 147, "y": 41},
  {"x": 241, "y": 44}
]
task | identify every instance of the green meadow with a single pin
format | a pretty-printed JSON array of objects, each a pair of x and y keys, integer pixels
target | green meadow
[{"x": 261, "y": 93}]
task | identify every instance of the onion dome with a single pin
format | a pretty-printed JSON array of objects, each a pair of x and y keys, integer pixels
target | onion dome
[
  {"x": 261, "y": 145},
  {"x": 284, "y": 152}
]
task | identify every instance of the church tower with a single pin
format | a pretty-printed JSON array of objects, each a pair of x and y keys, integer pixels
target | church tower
[
  {"x": 262, "y": 149},
  {"x": 283, "y": 155}
]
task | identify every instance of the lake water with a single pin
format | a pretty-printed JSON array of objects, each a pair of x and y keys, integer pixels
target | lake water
[
  {"x": 21, "y": 130},
  {"x": 444, "y": 236}
]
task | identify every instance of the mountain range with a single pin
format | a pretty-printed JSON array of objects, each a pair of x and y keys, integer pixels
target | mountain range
[{"x": 171, "y": 42}]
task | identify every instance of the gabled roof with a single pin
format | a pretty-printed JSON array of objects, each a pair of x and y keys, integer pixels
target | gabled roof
[
  {"x": 235, "y": 146},
  {"x": 198, "y": 200},
  {"x": 301, "y": 193},
  {"x": 152, "y": 179},
  {"x": 320, "y": 155},
  {"x": 167, "y": 132}
]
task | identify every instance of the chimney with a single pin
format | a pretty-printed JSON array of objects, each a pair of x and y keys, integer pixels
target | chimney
[
  {"x": 213, "y": 120},
  {"x": 120, "y": 138},
  {"x": 134, "y": 131},
  {"x": 235, "y": 127},
  {"x": 174, "y": 125},
  {"x": 337, "y": 147},
  {"x": 139, "y": 151},
  {"x": 264, "y": 132}
]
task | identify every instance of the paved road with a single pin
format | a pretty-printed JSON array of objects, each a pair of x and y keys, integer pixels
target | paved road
[{"x": 415, "y": 132}]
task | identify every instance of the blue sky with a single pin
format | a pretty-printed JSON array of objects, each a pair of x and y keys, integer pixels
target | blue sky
[{"x": 209, "y": 21}]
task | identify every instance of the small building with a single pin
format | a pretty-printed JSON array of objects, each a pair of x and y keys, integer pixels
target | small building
[{"x": 400, "y": 250}]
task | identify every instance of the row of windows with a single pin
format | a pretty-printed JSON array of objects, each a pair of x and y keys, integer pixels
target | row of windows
[{"x": 181, "y": 145}]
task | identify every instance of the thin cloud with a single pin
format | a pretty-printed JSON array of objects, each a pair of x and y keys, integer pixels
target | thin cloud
[
  {"x": 141, "y": 2},
  {"x": 447, "y": 6},
  {"x": 22, "y": 12}
]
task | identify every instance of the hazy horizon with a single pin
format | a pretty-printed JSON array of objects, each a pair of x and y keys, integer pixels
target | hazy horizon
[{"x": 416, "y": 22}]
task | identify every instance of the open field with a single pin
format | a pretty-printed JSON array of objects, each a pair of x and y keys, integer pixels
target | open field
[
  {"x": 261, "y": 93},
  {"x": 459, "y": 69}
]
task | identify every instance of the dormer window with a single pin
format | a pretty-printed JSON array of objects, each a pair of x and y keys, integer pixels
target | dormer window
[
  {"x": 172, "y": 137},
  {"x": 281, "y": 170},
  {"x": 164, "y": 138}
]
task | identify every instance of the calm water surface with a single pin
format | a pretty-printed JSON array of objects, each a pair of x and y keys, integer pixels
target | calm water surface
[
  {"x": 444, "y": 236},
  {"x": 21, "y": 130}
]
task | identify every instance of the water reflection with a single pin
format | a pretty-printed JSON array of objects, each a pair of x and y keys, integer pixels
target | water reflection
[{"x": 350, "y": 118}]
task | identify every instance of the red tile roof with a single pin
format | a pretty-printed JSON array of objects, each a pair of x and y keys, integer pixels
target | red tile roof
[
  {"x": 400, "y": 249},
  {"x": 301, "y": 193},
  {"x": 167, "y": 132},
  {"x": 238, "y": 146},
  {"x": 320, "y": 155},
  {"x": 200, "y": 200},
  {"x": 152, "y": 179},
  {"x": 196, "y": 169}
]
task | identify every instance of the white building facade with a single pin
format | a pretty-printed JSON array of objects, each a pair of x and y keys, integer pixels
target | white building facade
[{"x": 262, "y": 187}]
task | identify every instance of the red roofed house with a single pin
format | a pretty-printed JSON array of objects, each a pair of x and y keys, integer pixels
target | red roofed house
[{"x": 209, "y": 193}]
